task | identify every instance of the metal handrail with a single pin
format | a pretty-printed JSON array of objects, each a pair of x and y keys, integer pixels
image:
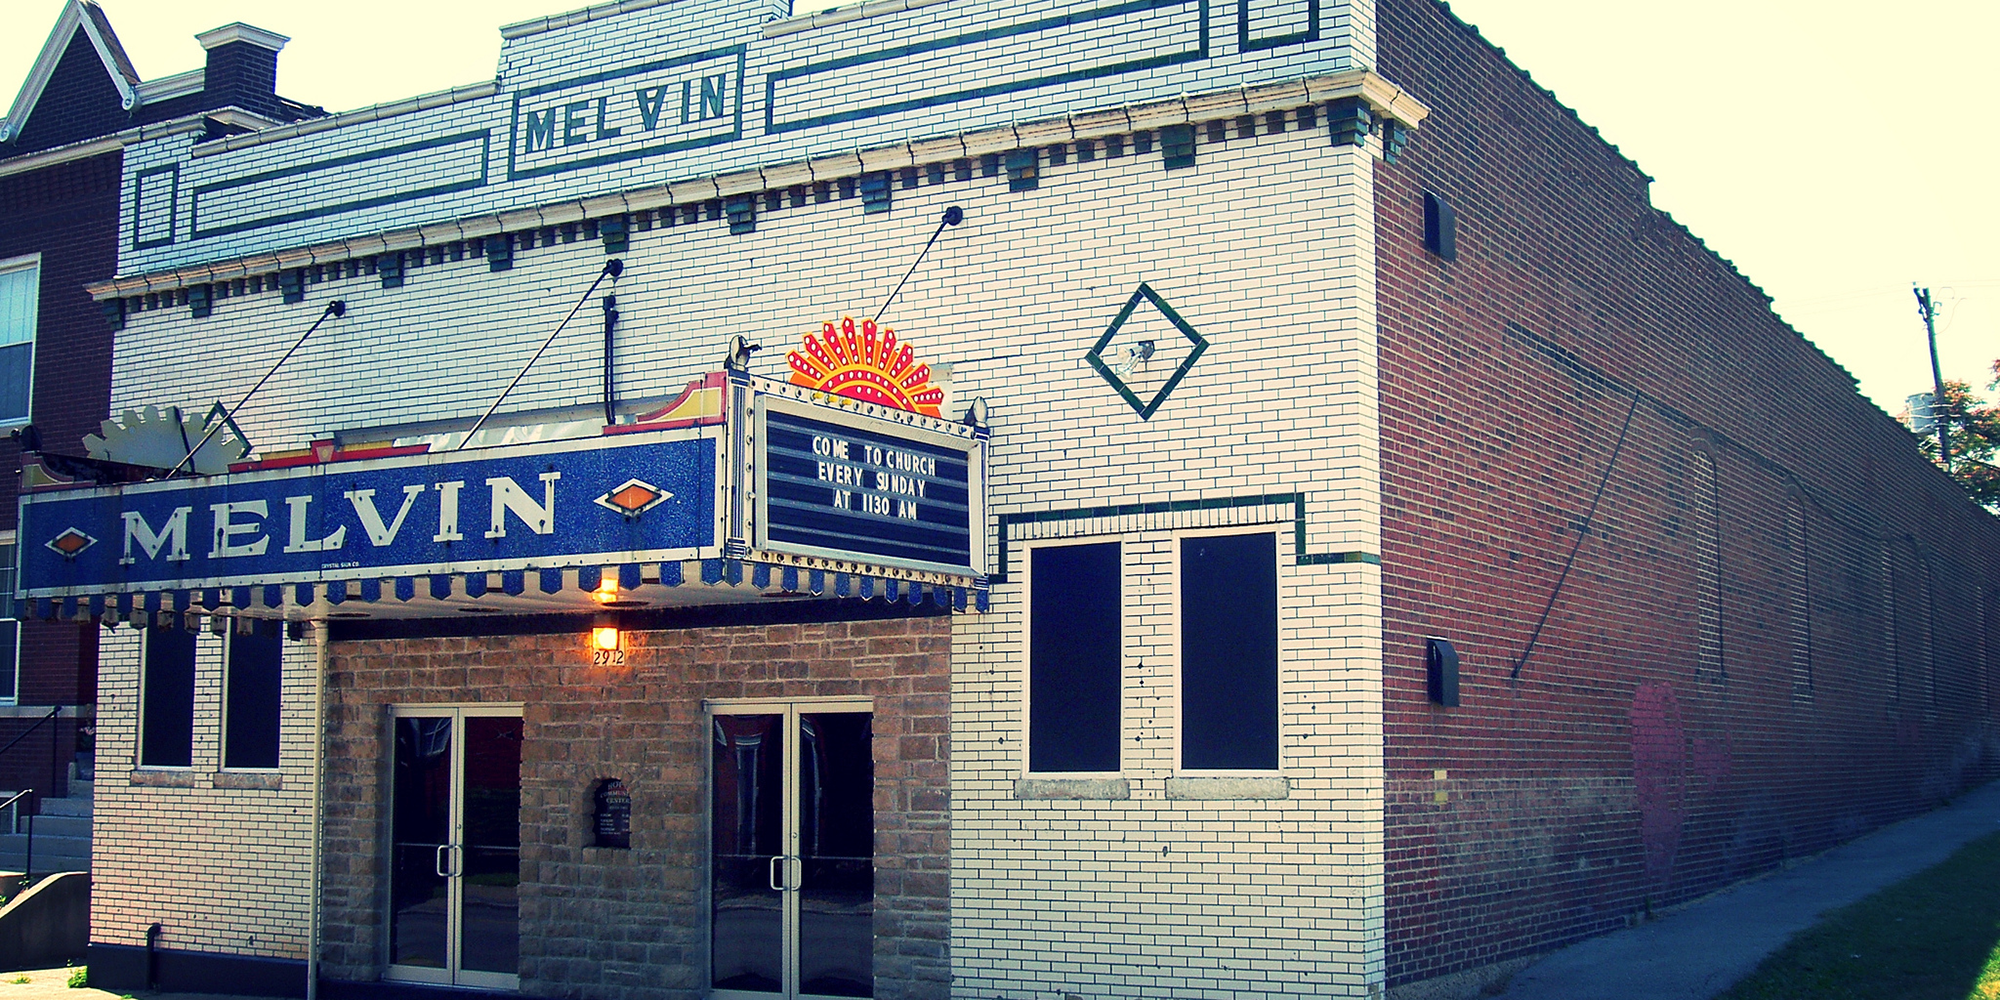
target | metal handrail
[
  {"x": 28, "y": 858},
  {"x": 53, "y": 712}
]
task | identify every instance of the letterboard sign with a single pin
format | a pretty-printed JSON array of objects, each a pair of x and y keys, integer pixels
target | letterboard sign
[{"x": 845, "y": 487}]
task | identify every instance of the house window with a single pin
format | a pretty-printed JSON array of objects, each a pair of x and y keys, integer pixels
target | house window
[
  {"x": 1229, "y": 653},
  {"x": 10, "y": 625},
  {"x": 253, "y": 676},
  {"x": 166, "y": 705},
  {"x": 20, "y": 297},
  {"x": 1074, "y": 668}
]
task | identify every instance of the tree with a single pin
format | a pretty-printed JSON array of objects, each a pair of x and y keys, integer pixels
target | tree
[{"x": 1975, "y": 440}]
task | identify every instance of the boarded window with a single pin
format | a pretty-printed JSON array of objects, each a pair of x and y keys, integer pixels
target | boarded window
[
  {"x": 1705, "y": 497},
  {"x": 1229, "y": 653},
  {"x": 1892, "y": 650},
  {"x": 166, "y": 711},
  {"x": 1799, "y": 540},
  {"x": 251, "y": 700},
  {"x": 1074, "y": 677}
]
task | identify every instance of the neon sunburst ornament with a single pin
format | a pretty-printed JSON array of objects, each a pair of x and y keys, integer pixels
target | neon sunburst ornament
[{"x": 866, "y": 362}]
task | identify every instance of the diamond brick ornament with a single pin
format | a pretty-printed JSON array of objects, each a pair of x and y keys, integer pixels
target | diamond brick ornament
[{"x": 1123, "y": 370}]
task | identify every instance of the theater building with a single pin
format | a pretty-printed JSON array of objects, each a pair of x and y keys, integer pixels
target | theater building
[{"x": 940, "y": 499}]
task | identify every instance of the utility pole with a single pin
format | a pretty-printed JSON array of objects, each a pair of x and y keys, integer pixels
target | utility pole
[{"x": 1940, "y": 414}]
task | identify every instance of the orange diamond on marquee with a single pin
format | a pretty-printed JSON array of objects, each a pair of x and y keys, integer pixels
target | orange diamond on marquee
[
  {"x": 71, "y": 542},
  {"x": 634, "y": 497}
]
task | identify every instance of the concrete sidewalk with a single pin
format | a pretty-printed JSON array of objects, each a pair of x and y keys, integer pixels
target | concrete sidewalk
[
  {"x": 53, "y": 984},
  {"x": 1699, "y": 951}
]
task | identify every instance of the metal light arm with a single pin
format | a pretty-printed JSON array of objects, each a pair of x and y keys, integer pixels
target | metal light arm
[
  {"x": 334, "y": 308},
  {"x": 612, "y": 269}
]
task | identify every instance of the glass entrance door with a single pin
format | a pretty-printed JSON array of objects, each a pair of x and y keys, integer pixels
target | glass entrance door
[
  {"x": 793, "y": 851},
  {"x": 455, "y": 846}
]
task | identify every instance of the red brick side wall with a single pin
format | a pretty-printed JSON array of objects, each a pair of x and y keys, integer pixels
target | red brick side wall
[
  {"x": 1777, "y": 632},
  {"x": 69, "y": 214},
  {"x": 632, "y": 923}
]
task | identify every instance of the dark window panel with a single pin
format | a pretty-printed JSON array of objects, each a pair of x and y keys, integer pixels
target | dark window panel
[
  {"x": 166, "y": 713},
  {"x": 1074, "y": 675},
  {"x": 251, "y": 701},
  {"x": 1229, "y": 653}
]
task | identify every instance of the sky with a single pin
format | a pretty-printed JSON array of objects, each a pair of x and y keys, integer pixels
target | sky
[{"x": 1836, "y": 152}]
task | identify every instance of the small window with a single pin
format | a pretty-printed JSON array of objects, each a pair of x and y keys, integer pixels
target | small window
[
  {"x": 20, "y": 302},
  {"x": 254, "y": 674},
  {"x": 1440, "y": 227},
  {"x": 1229, "y": 653},
  {"x": 166, "y": 707},
  {"x": 1074, "y": 669}
]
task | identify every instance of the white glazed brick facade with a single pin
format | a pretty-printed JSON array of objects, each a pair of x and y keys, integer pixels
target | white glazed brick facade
[
  {"x": 222, "y": 869},
  {"x": 1154, "y": 896}
]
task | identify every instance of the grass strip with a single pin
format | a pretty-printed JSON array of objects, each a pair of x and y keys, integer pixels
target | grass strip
[{"x": 1932, "y": 936}]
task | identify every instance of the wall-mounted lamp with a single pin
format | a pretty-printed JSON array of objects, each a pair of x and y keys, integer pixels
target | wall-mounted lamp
[
  {"x": 1135, "y": 356},
  {"x": 604, "y": 637},
  {"x": 740, "y": 350},
  {"x": 1441, "y": 672}
]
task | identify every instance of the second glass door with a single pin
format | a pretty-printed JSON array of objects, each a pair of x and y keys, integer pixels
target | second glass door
[
  {"x": 793, "y": 851},
  {"x": 455, "y": 847}
]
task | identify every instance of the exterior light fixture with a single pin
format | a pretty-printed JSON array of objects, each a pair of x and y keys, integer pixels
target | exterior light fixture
[
  {"x": 1136, "y": 357},
  {"x": 1441, "y": 672},
  {"x": 604, "y": 637}
]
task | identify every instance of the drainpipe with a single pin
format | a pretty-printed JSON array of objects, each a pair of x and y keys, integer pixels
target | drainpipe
[{"x": 322, "y": 657}]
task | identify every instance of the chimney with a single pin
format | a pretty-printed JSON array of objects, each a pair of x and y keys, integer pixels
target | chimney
[{"x": 242, "y": 68}]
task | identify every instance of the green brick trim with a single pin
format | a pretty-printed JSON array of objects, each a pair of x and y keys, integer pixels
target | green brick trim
[{"x": 1300, "y": 557}]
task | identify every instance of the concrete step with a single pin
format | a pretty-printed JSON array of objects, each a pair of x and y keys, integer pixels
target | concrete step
[
  {"x": 17, "y": 842},
  {"x": 66, "y": 856},
  {"x": 71, "y": 806},
  {"x": 57, "y": 825}
]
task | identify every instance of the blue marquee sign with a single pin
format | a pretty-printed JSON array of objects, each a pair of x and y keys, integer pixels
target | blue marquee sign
[{"x": 617, "y": 500}]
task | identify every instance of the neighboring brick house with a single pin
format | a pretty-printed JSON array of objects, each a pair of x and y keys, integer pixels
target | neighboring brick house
[
  {"x": 1315, "y": 528},
  {"x": 61, "y": 149}
]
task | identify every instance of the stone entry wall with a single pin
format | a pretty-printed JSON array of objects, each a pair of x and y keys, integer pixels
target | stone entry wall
[{"x": 632, "y": 924}]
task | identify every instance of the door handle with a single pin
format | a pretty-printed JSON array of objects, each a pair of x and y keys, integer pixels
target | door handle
[
  {"x": 437, "y": 861},
  {"x": 771, "y": 873}
]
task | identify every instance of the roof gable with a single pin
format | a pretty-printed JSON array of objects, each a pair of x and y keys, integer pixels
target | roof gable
[{"x": 87, "y": 18}]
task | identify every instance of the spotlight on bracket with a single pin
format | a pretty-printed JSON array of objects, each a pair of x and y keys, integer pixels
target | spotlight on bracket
[
  {"x": 738, "y": 358},
  {"x": 1136, "y": 357}
]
